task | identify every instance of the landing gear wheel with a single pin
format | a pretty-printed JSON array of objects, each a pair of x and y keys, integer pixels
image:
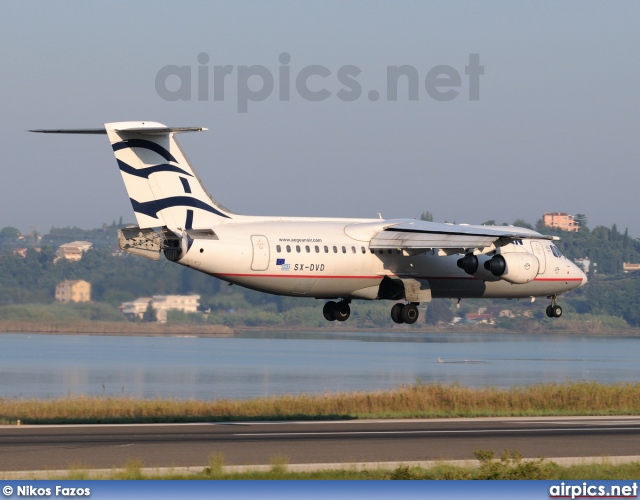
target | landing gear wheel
[
  {"x": 553, "y": 310},
  {"x": 328, "y": 311},
  {"x": 396, "y": 311},
  {"x": 342, "y": 311},
  {"x": 409, "y": 314}
]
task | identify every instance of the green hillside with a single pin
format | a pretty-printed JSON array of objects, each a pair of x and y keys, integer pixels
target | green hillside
[{"x": 610, "y": 299}]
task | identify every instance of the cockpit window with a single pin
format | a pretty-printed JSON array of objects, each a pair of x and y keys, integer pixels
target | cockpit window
[{"x": 555, "y": 251}]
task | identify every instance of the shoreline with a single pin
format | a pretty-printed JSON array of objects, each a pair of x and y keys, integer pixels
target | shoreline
[
  {"x": 394, "y": 328},
  {"x": 117, "y": 328}
]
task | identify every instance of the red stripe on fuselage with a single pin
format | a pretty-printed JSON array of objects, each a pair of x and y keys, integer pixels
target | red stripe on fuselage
[
  {"x": 240, "y": 275},
  {"x": 558, "y": 279},
  {"x": 316, "y": 276}
]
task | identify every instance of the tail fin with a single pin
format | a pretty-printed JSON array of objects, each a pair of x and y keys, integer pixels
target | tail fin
[{"x": 163, "y": 188}]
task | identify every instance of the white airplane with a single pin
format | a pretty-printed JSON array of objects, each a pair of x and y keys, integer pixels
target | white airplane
[{"x": 404, "y": 260}]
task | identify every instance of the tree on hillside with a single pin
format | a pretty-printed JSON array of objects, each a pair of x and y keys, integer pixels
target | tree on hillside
[
  {"x": 438, "y": 311},
  {"x": 150, "y": 315},
  {"x": 614, "y": 234},
  {"x": 9, "y": 233},
  {"x": 522, "y": 223},
  {"x": 581, "y": 220},
  {"x": 428, "y": 216}
]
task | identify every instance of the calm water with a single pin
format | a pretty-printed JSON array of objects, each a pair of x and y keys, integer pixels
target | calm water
[{"x": 259, "y": 364}]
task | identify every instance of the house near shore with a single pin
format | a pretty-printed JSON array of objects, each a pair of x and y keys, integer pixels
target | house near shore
[
  {"x": 73, "y": 291},
  {"x": 479, "y": 318},
  {"x": 160, "y": 304},
  {"x": 72, "y": 251}
]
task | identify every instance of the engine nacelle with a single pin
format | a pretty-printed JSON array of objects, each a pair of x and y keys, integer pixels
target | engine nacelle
[
  {"x": 474, "y": 265},
  {"x": 468, "y": 263},
  {"x": 518, "y": 268}
]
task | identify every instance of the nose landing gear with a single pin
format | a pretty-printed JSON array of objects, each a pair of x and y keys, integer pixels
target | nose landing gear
[
  {"x": 553, "y": 310},
  {"x": 405, "y": 313}
]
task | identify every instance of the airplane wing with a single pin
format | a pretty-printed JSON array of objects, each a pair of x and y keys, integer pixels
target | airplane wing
[{"x": 417, "y": 236}]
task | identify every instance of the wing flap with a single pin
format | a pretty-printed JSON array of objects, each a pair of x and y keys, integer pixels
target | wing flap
[{"x": 415, "y": 240}]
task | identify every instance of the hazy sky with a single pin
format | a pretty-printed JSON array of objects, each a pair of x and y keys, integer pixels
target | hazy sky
[{"x": 554, "y": 127}]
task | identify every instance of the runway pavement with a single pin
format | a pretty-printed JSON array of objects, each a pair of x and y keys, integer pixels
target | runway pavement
[{"x": 24, "y": 448}]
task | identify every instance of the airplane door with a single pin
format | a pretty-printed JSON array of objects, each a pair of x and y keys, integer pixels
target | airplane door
[
  {"x": 260, "y": 260},
  {"x": 538, "y": 251}
]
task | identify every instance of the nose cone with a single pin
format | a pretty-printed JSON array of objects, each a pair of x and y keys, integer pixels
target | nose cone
[
  {"x": 576, "y": 275},
  {"x": 584, "y": 279},
  {"x": 577, "y": 272}
]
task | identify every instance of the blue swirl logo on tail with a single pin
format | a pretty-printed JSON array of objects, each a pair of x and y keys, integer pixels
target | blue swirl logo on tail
[
  {"x": 151, "y": 208},
  {"x": 142, "y": 143},
  {"x": 147, "y": 171}
]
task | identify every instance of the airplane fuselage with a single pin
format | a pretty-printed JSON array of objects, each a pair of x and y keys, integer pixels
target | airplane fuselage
[{"x": 326, "y": 258}]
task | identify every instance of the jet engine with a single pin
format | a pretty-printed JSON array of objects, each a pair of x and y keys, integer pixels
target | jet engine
[
  {"x": 474, "y": 265},
  {"x": 518, "y": 268},
  {"x": 468, "y": 263}
]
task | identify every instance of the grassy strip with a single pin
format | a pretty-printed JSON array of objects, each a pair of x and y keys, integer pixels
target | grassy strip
[
  {"x": 86, "y": 326},
  {"x": 510, "y": 465},
  {"x": 409, "y": 401}
]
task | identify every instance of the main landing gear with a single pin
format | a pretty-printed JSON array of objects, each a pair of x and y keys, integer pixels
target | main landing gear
[
  {"x": 336, "y": 311},
  {"x": 554, "y": 310},
  {"x": 400, "y": 313},
  {"x": 405, "y": 313}
]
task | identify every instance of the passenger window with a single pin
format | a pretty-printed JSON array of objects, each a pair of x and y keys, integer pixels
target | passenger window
[
  {"x": 317, "y": 249},
  {"x": 353, "y": 249},
  {"x": 278, "y": 248},
  {"x": 381, "y": 251},
  {"x": 298, "y": 248},
  {"x": 326, "y": 249},
  {"x": 307, "y": 248},
  {"x": 363, "y": 250},
  {"x": 344, "y": 249},
  {"x": 335, "y": 249},
  {"x": 288, "y": 249},
  {"x": 389, "y": 251}
]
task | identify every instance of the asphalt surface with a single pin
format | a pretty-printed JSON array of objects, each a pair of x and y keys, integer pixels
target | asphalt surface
[{"x": 181, "y": 445}]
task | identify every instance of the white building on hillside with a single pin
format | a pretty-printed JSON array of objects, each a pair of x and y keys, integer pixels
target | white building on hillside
[
  {"x": 136, "y": 308},
  {"x": 161, "y": 304},
  {"x": 72, "y": 251}
]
